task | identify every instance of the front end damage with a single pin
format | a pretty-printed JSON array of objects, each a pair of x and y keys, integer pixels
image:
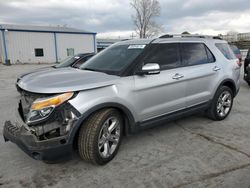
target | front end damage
[{"x": 42, "y": 134}]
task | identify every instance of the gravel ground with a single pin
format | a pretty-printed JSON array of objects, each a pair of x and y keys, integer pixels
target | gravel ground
[{"x": 190, "y": 152}]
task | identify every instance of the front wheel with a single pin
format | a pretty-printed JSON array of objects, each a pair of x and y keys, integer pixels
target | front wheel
[
  {"x": 221, "y": 104},
  {"x": 100, "y": 136}
]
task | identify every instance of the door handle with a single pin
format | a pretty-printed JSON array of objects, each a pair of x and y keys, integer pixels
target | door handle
[
  {"x": 216, "y": 68},
  {"x": 177, "y": 76}
]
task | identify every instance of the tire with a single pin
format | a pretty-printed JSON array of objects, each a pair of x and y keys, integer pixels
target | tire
[
  {"x": 97, "y": 142},
  {"x": 215, "y": 111},
  {"x": 248, "y": 82}
]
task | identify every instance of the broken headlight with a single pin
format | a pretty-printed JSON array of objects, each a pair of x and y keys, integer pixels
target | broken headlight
[{"x": 43, "y": 107}]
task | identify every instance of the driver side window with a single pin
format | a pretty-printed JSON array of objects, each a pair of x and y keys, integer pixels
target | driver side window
[{"x": 166, "y": 55}]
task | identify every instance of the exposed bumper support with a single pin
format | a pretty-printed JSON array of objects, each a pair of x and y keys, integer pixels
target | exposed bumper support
[{"x": 48, "y": 150}]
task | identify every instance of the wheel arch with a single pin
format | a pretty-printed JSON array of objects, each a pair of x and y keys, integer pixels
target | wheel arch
[
  {"x": 129, "y": 120},
  {"x": 229, "y": 83}
]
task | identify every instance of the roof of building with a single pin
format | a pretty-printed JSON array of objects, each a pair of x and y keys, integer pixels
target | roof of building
[
  {"x": 109, "y": 40},
  {"x": 103, "y": 43},
  {"x": 33, "y": 28}
]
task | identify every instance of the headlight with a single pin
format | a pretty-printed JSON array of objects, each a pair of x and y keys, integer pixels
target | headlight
[{"x": 42, "y": 108}]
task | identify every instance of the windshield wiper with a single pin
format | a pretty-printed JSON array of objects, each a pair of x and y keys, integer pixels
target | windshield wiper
[
  {"x": 89, "y": 69},
  {"x": 96, "y": 70}
]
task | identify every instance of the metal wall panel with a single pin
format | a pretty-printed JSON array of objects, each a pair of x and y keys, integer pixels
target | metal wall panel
[
  {"x": 81, "y": 43},
  {"x": 21, "y": 47},
  {"x": 1, "y": 48}
]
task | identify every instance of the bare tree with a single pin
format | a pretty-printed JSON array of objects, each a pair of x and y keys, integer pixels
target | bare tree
[
  {"x": 145, "y": 12},
  {"x": 186, "y": 33}
]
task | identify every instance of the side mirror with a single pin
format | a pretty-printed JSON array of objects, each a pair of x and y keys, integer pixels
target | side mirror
[{"x": 150, "y": 68}]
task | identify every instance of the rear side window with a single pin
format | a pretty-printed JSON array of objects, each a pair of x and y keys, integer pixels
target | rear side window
[
  {"x": 235, "y": 49},
  {"x": 225, "y": 50},
  {"x": 210, "y": 56},
  {"x": 196, "y": 54},
  {"x": 81, "y": 61},
  {"x": 166, "y": 55}
]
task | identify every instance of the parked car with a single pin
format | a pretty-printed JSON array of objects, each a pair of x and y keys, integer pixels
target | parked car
[
  {"x": 130, "y": 86},
  {"x": 247, "y": 68},
  {"x": 236, "y": 52},
  {"x": 74, "y": 61},
  {"x": 71, "y": 61}
]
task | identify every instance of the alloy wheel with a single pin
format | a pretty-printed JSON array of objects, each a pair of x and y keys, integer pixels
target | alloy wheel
[
  {"x": 224, "y": 103},
  {"x": 109, "y": 137}
]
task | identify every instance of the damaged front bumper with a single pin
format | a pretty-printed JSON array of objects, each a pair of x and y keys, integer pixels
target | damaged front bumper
[
  {"x": 47, "y": 150},
  {"x": 47, "y": 141}
]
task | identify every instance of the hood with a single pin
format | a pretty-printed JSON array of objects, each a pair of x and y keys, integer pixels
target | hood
[
  {"x": 36, "y": 70},
  {"x": 64, "y": 80}
]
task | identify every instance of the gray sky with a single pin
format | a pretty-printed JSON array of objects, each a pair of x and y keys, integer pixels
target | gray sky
[{"x": 112, "y": 18}]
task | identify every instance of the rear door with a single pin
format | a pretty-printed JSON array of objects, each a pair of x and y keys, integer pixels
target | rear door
[
  {"x": 160, "y": 94},
  {"x": 200, "y": 72}
]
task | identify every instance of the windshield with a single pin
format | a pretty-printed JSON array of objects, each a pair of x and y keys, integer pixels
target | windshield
[
  {"x": 67, "y": 62},
  {"x": 113, "y": 59}
]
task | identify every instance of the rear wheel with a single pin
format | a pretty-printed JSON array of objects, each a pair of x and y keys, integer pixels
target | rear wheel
[
  {"x": 100, "y": 136},
  {"x": 222, "y": 104}
]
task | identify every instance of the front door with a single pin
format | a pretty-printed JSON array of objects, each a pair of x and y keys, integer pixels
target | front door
[{"x": 163, "y": 93}]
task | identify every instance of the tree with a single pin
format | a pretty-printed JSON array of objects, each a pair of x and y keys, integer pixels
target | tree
[
  {"x": 186, "y": 33},
  {"x": 145, "y": 12}
]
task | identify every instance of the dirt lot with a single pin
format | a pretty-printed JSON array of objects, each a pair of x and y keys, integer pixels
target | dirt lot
[{"x": 190, "y": 152}]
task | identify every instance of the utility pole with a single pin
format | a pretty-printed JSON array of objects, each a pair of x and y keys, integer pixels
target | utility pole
[{"x": 132, "y": 36}]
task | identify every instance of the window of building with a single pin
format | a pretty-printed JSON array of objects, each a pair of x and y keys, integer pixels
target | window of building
[
  {"x": 39, "y": 52},
  {"x": 70, "y": 52},
  {"x": 166, "y": 55}
]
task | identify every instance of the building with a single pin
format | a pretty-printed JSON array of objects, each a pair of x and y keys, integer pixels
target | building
[
  {"x": 104, "y": 43},
  {"x": 230, "y": 37},
  {"x": 244, "y": 36},
  {"x": 241, "y": 40},
  {"x": 38, "y": 44},
  {"x": 234, "y": 37}
]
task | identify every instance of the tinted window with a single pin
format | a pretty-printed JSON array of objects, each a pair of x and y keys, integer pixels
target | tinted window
[
  {"x": 67, "y": 62},
  {"x": 235, "y": 49},
  {"x": 195, "y": 54},
  {"x": 81, "y": 61},
  {"x": 210, "y": 56},
  {"x": 38, "y": 52},
  {"x": 166, "y": 55},
  {"x": 225, "y": 50}
]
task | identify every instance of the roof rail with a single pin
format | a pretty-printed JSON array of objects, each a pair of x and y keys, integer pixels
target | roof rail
[{"x": 189, "y": 35}]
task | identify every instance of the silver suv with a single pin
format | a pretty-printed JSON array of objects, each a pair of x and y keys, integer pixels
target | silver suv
[{"x": 130, "y": 86}]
